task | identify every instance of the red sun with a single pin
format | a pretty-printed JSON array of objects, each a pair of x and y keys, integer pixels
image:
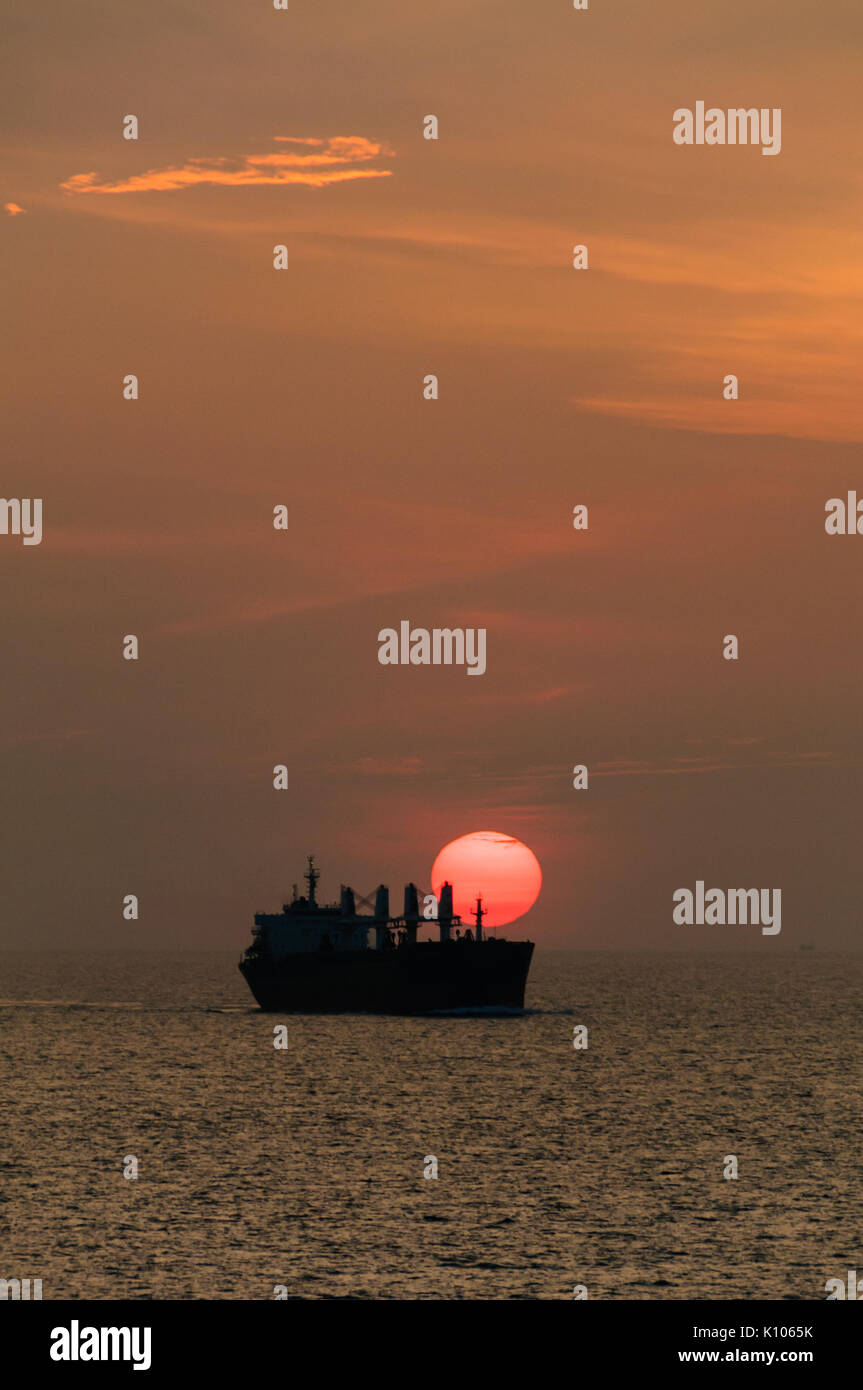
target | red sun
[{"x": 500, "y": 868}]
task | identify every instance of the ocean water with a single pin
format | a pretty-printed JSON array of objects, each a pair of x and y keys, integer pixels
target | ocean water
[{"x": 304, "y": 1167}]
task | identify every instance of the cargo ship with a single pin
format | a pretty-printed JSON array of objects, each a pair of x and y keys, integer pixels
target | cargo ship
[{"x": 317, "y": 958}]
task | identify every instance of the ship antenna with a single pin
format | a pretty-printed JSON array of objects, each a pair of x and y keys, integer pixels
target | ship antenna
[
  {"x": 479, "y": 912},
  {"x": 311, "y": 878}
]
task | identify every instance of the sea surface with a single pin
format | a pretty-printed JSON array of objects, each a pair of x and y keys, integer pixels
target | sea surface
[{"x": 304, "y": 1167}]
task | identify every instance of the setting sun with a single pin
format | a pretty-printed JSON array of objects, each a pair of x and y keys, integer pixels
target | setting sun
[{"x": 500, "y": 868}]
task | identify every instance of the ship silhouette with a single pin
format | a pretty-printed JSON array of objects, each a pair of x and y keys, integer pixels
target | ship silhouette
[{"x": 314, "y": 958}]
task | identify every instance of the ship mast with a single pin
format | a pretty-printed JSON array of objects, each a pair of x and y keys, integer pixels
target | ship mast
[
  {"x": 479, "y": 912},
  {"x": 311, "y": 876}
]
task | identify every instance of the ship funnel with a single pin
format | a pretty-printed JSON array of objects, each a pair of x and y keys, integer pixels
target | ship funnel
[
  {"x": 444, "y": 911},
  {"x": 348, "y": 904},
  {"x": 411, "y": 912},
  {"x": 382, "y": 915}
]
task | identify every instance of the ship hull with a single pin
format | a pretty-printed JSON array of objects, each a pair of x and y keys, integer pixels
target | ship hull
[{"x": 430, "y": 977}]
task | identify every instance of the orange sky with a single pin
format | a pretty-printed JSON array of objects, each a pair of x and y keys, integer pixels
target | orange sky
[{"x": 305, "y": 388}]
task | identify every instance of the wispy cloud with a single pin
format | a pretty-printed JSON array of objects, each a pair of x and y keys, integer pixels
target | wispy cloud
[
  {"x": 385, "y": 767},
  {"x": 19, "y": 740},
  {"x": 313, "y": 163},
  {"x": 793, "y": 415},
  {"x": 13, "y": 210},
  {"x": 625, "y": 767}
]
